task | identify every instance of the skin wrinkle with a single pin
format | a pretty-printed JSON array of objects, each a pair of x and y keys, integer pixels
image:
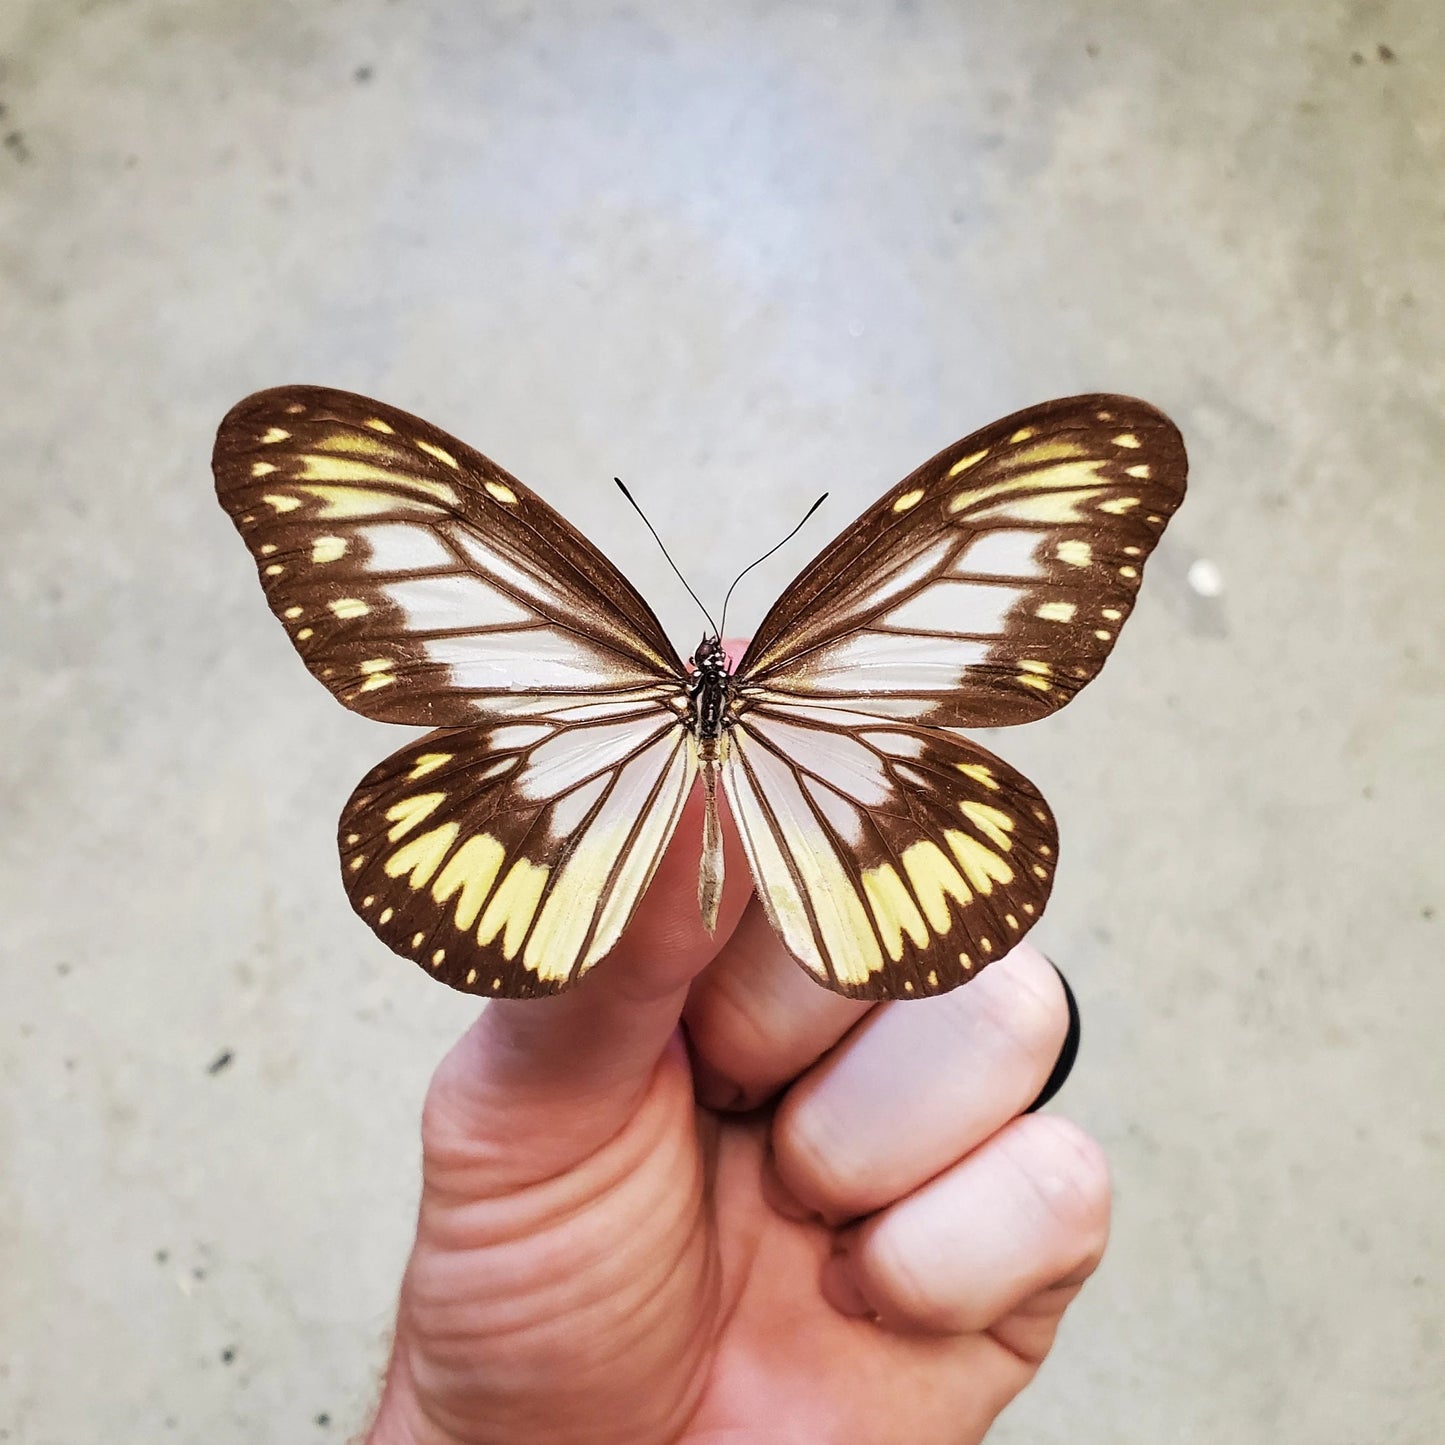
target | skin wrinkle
[
  {"x": 593, "y": 1313},
  {"x": 613, "y": 1164}
]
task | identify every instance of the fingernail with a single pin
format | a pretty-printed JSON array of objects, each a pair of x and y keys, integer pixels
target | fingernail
[
  {"x": 839, "y": 1289},
  {"x": 714, "y": 1090}
]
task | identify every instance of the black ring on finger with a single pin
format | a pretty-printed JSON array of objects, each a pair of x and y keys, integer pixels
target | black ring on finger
[{"x": 1068, "y": 1053}]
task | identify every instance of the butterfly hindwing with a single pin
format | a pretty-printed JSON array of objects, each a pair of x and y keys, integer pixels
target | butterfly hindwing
[
  {"x": 506, "y": 858},
  {"x": 414, "y": 576},
  {"x": 988, "y": 587},
  {"x": 894, "y": 861}
]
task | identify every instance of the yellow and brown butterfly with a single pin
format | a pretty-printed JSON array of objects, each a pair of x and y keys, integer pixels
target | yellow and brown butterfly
[{"x": 506, "y": 851}]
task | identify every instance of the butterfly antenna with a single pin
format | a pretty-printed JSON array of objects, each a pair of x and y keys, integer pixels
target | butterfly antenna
[
  {"x": 667, "y": 554},
  {"x": 768, "y": 554}
]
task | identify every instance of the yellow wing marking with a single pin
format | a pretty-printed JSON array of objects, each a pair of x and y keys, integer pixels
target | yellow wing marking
[
  {"x": 512, "y": 906},
  {"x": 431, "y": 449},
  {"x": 980, "y": 773},
  {"x": 502, "y": 493},
  {"x": 1065, "y": 474},
  {"x": 359, "y": 502},
  {"x": 1074, "y": 552},
  {"x": 908, "y": 499},
  {"x": 964, "y": 463},
  {"x": 982, "y": 865},
  {"x": 325, "y": 468},
  {"x": 470, "y": 872},
  {"x": 344, "y": 607},
  {"x": 428, "y": 763},
  {"x": 934, "y": 880},
  {"x": 411, "y": 811},
  {"x": 894, "y": 910},
  {"x": 993, "y": 823}
]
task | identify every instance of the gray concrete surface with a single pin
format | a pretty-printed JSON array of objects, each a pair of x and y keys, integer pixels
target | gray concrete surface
[{"x": 736, "y": 254}]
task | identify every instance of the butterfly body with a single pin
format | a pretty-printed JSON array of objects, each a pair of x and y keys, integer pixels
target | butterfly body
[
  {"x": 708, "y": 692},
  {"x": 506, "y": 850}
]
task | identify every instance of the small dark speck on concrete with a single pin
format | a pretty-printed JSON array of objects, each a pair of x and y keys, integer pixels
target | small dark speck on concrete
[
  {"x": 227, "y": 1355},
  {"x": 1367, "y": 791},
  {"x": 1427, "y": 913},
  {"x": 1356, "y": 58},
  {"x": 70, "y": 1063},
  {"x": 1386, "y": 54},
  {"x": 170, "y": 1422},
  {"x": 362, "y": 74},
  {"x": 323, "y": 1419},
  {"x": 15, "y": 144},
  {"x": 1091, "y": 50},
  {"x": 220, "y": 1061},
  {"x": 198, "y": 1273},
  {"x": 162, "y": 1255},
  {"x": 62, "y": 969}
]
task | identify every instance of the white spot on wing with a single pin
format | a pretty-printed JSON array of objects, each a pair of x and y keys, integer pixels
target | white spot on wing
[
  {"x": 843, "y": 762},
  {"x": 880, "y": 664},
  {"x": 564, "y": 761},
  {"x": 520, "y": 579},
  {"x": 517, "y": 735},
  {"x": 569, "y": 812},
  {"x": 956, "y": 607},
  {"x": 453, "y": 603},
  {"x": 1001, "y": 553},
  {"x": 537, "y": 660},
  {"x": 404, "y": 547},
  {"x": 841, "y": 815}
]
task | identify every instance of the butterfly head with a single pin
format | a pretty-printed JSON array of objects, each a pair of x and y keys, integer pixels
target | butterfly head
[{"x": 710, "y": 659}]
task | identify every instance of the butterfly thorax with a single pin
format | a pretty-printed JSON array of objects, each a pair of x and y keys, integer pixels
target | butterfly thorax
[{"x": 707, "y": 692}]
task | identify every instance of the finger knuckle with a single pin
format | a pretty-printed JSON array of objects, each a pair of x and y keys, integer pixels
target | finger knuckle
[
  {"x": 816, "y": 1161},
  {"x": 1071, "y": 1177},
  {"x": 904, "y": 1283}
]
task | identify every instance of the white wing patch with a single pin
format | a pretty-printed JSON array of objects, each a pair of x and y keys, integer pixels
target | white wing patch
[{"x": 792, "y": 856}]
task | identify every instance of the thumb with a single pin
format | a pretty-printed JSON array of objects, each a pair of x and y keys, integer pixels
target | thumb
[{"x": 535, "y": 1086}]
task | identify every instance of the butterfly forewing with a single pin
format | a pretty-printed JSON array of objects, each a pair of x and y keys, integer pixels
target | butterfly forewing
[
  {"x": 507, "y": 858},
  {"x": 894, "y": 861},
  {"x": 988, "y": 587},
  {"x": 416, "y": 577}
]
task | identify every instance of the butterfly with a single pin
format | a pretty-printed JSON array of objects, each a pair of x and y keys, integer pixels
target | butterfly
[{"x": 506, "y": 850}]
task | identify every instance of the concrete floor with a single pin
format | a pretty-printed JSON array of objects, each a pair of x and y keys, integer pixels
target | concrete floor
[{"x": 737, "y": 255}]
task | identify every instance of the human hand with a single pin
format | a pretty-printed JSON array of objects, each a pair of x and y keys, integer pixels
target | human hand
[{"x": 609, "y": 1249}]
